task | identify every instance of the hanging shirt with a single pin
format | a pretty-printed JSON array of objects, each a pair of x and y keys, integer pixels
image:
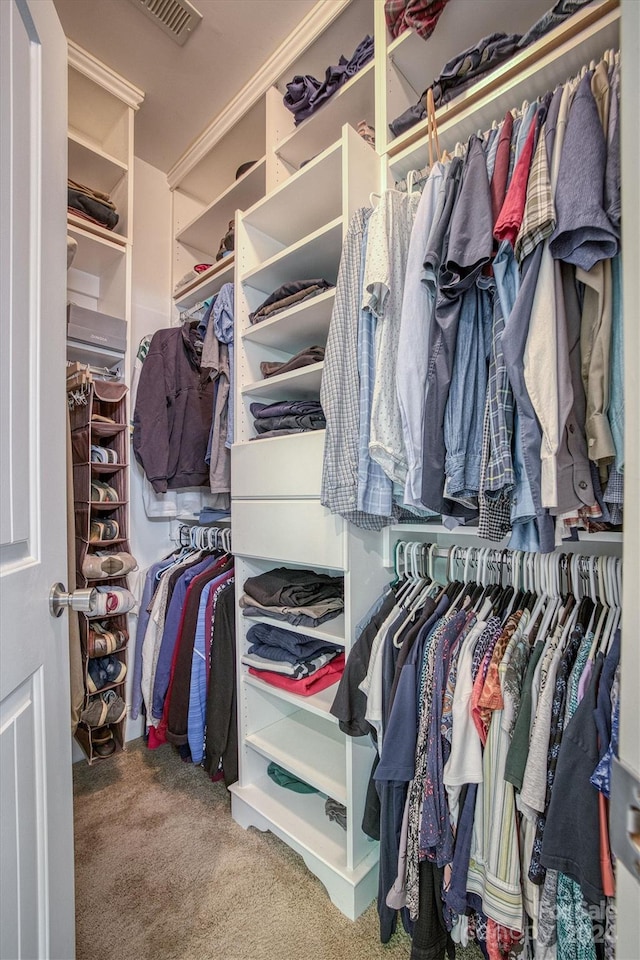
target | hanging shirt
[
  {"x": 389, "y": 235},
  {"x": 413, "y": 341},
  {"x": 339, "y": 393}
]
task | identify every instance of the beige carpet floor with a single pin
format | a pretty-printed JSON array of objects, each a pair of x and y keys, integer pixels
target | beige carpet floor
[{"x": 164, "y": 873}]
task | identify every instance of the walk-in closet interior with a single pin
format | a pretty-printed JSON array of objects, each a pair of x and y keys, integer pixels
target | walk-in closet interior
[{"x": 353, "y": 470}]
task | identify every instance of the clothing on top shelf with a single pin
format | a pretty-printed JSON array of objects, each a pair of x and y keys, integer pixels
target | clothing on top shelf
[
  {"x": 227, "y": 243},
  {"x": 465, "y": 68},
  {"x": 473, "y": 362},
  {"x": 92, "y": 205},
  {"x": 287, "y": 295},
  {"x": 475, "y": 699},
  {"x": 305, "y": 94},
  {"x": 419, "y": 15}
]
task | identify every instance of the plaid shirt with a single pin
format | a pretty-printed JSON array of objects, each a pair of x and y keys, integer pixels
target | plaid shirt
[
  {"x": 494, "y": 520},
  {"x": 340, "y": 390},
  {"x": 419, "y": 15},
  {"x": 539, "y": 218}
]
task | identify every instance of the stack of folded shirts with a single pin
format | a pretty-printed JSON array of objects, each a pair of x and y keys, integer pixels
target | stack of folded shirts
[
  {"x": 300, "y": 597},
  {"x": 306, "y": 94},
  {"x": 292, "y": 661},
  {"x": 191, "y": 275},
  {"x": 91, "y": 205},
  {"x": 287, "y": 295},
  {"x": 286, "y": 416}
]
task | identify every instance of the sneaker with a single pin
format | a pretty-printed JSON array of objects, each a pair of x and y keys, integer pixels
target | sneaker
[
  {"x": 103, "y": 492},
  {"x": 103, "y": 454},
  {"x": 95, "y": 713},
  {"x": 116, "y": 707},
  {"x": 99, "y": 565},
  {"x": 102, "y": 641},
  {"x": 114, "y": 669},
  {"x": 109, "y": 601},
  {"x": 96, "y": 676},
  {"x": 102, "y": 530}
]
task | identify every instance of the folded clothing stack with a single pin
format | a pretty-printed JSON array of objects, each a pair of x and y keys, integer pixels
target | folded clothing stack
[
  {"x": 304, "y": 358},
  {"x": 465, "y": 68},
  {"x": 287, "y": 295},
  {"x": 191, "y": 275},
  {"x": 300, "y": 597},
  {"x": 292, "y": 661},
  {"x": 285, "y": 417},
  {"x": 306, "y": 94},
  {"x": 92, "y": 205}
]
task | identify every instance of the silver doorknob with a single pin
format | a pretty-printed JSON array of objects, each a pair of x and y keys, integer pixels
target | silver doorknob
[{"x": 79, "y": 600}]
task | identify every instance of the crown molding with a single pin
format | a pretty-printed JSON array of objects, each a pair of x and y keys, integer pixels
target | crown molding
[
  {"x": 103, "y": 75},
  {"x": 311, "y": 27}
]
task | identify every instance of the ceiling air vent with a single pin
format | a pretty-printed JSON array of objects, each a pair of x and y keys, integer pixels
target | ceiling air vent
[{"x": 177, "y": 18}]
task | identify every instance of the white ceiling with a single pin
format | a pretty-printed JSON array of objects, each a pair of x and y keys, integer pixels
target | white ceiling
[{"x": 185, "y": 87}]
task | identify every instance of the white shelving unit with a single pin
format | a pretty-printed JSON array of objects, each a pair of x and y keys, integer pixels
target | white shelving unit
[
  {"x": 102, "y": 107},
  {"x": 289, "y": 146},
  {"x": 206, "y": 197},
  {"x": 278, "y": 521}
]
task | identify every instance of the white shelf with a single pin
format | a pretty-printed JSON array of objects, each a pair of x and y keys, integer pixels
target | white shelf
[
  {"x": 296, "y": 385},
  {"x": 206, "y": 230},
  {"x": 298, "y": 818},
  {"x": 319, "y": 703},
  {"x": 92, "y": 166},
  {"x": 331, "y": 630},
  {"x": 554, "y": 58},
  {"x": 95, "y": 253},
  {"x": 309, "y": 747},
  {"x": 316, "y": 255},
  {"x": 85, "y": 227},
  {"x": 309, "y": 198},
  {"x": 297, "y": 327},
  {"x": 206, "y": 284},
  {"x": 353, "y": 102}
]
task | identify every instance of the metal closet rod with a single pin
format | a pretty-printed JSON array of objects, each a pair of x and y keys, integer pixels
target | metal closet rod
[
  {"x": 552, "y": 573},
  {"x": 204, "y": 537}
]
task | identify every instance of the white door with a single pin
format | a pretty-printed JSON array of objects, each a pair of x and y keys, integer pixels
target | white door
[{"x": 36, "y": 825}]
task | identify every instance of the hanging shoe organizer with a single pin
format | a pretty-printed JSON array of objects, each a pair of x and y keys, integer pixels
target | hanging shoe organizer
[{"x": 99, "y": 436}]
